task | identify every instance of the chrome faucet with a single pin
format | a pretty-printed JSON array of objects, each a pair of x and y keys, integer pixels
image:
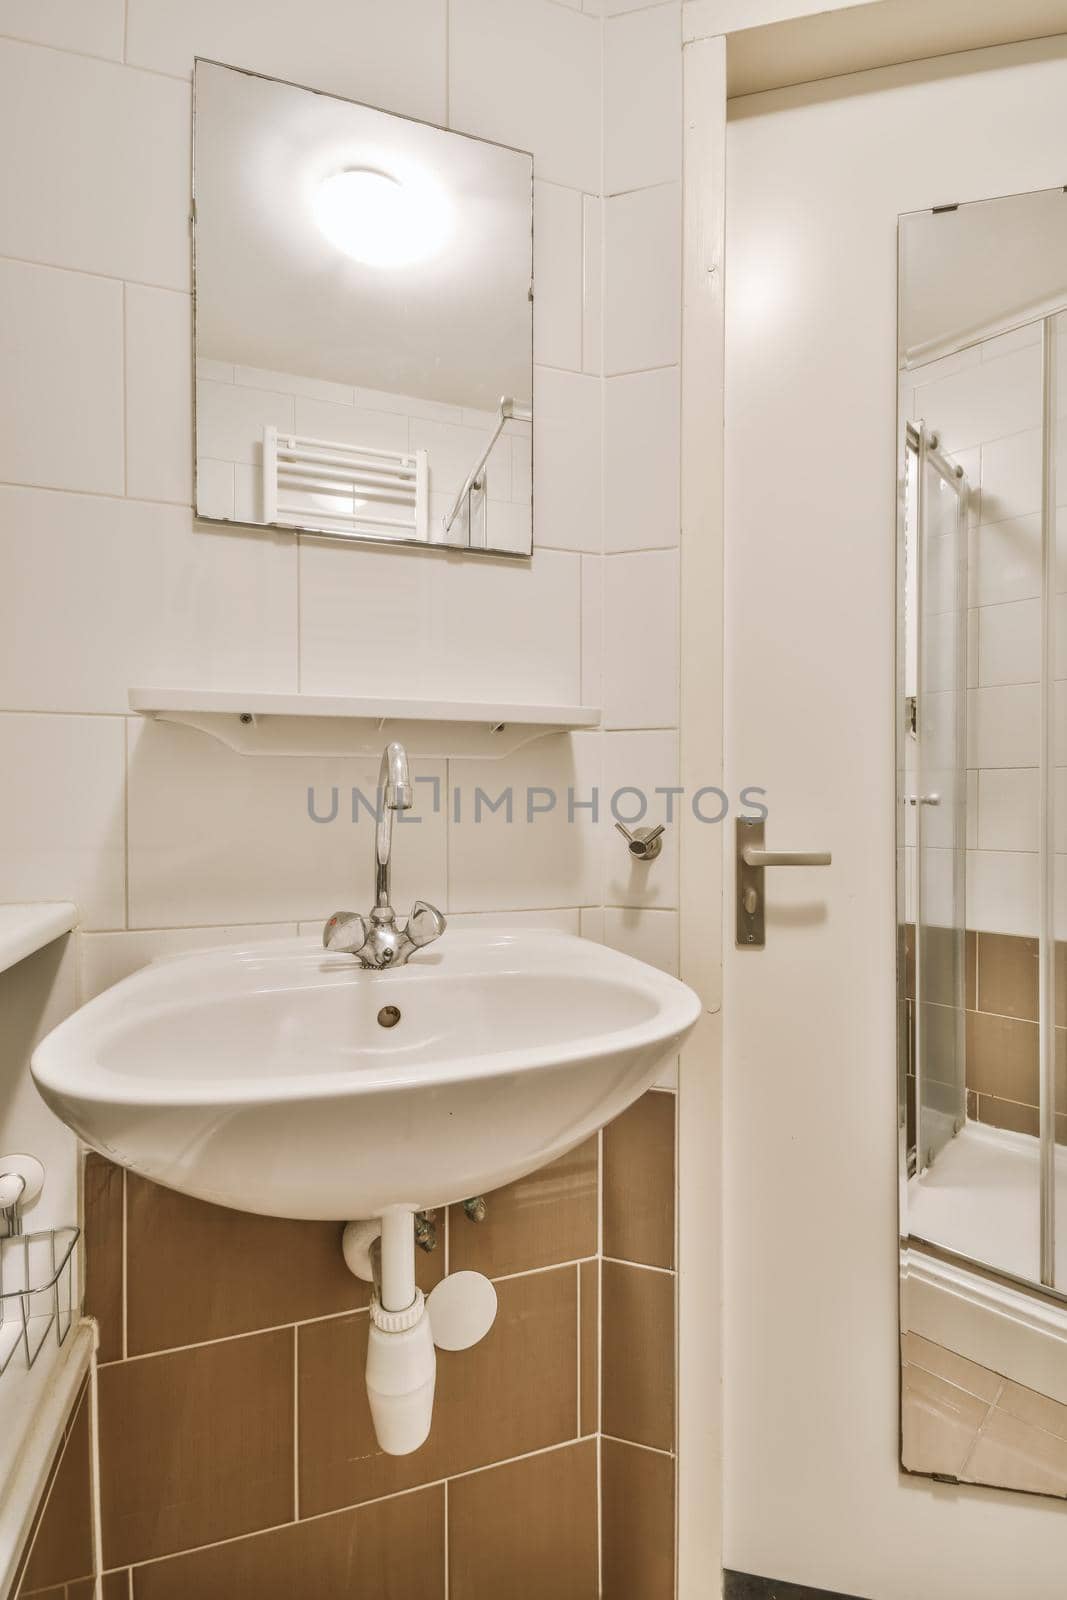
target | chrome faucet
[{"x": 378, "y": 940}]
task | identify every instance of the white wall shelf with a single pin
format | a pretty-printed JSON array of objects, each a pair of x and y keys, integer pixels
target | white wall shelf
[
  {"x": 28, "y": 927},
  {"x": 304, "y": 724}
]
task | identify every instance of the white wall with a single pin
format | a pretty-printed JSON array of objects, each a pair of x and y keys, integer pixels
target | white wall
[
  {"x": 162, "y": 836},
  {"x": 816, "y": 178}
]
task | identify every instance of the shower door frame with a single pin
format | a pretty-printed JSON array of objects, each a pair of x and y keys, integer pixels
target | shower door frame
[{"x": 924, "y": 445}]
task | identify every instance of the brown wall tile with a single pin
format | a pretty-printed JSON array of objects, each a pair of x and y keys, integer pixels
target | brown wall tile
[
  {"x": 196, "y": 1445},
  {"x": 1007, "y": 975},
  {"x": 514, "y": 1392},
  {"x": 639, "y": 1182},
  {"x": 637, "y": 1354},
  {"x": 116, "y": 1585},
  {"x": 1002, "y": 1057},
  {"x": 199, "y": 1272},
  {"x": 589, "y": 1300},
  {"x": 526, "y": 1531},
  {"x": 546, "y": 1217},
  {"x": 394, "y": 1550},
  {"x": 63, "y": 1545},
  {"x": 103, "y": 1251},
  {"x": 637, "y": 1508},
  {"x": 1007, "y": 1114}
]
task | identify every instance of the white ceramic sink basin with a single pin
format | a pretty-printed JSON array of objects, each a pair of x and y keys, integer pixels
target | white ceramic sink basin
[{"x": 261, "y": 1077}]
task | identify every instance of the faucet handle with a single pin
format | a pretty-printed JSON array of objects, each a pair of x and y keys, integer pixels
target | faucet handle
[
  {"x": 424, "y": 924},
  {"x": 346, "y": 931}
]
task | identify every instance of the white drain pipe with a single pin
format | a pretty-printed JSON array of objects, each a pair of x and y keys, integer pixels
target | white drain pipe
[{"x": 401, "y": 1354}]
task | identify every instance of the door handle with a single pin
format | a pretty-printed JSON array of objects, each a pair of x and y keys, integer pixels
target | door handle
[
  {"x": 751, "y": 858},
  {"x": 755, "y": 857}
]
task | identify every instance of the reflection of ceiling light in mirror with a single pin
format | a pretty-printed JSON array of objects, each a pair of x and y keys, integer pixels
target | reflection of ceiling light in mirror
[{"x": 380, "y": 221}]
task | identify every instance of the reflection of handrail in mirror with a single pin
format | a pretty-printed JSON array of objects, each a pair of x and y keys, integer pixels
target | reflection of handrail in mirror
[{"x": 510, "y": 411}]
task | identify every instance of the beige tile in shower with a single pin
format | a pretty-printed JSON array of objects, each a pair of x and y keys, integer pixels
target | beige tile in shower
[
  {"x": 940, "y": 1423},
  {"x": 1036, "y": 1409},
  {"x": 1014, "y": 1454},
  {"x": 955, "y": 1369}
]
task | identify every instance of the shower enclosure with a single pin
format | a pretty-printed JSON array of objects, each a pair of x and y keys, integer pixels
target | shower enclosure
[
  {"x": 982, "y": 809},
  {"x": 982, "y": 762}
]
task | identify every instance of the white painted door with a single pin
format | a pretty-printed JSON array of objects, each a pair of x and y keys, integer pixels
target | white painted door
[{"x": 816, "y": 177}]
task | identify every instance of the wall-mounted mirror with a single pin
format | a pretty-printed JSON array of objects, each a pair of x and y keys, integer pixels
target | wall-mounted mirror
[
  {"x": 364, "y": 320},
  {"x": 982, "y": 841}
]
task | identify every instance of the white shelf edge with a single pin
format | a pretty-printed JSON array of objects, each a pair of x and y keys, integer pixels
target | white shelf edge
[
  {"x": 256, "y": 722},
  {"x": 26, "y": 927}
]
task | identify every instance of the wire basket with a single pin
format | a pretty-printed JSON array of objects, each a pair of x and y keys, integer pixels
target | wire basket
[{"x": 36, "y": 1292}]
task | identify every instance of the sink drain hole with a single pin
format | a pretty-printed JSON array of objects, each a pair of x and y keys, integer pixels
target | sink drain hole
[{"x": 389, "y": 1016}]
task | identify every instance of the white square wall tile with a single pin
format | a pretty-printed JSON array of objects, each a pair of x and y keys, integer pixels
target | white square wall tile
[
  {"x": 101, "y": 182},
  {"x": 61, "y": 813},
  {"x": 635, "y": 767},
  {"x": 525, "y": 835},
  {"x": 216, "y": 837},
  {"x": 642, "y": 460},
  {"x": 557, "y": 921},
  {"x": 643, "y": 269},
  {"x": 527, "y": 72},
  {"x": 61, "y": 404},
  {"x": 1009, "y": 643},
  {"x": 417, "y": 623},
  {"x": 387, "y": 55},
  {"x": 1003, "y": 726},
  {"x": 641, "y": 640},
  {"x": 92, "y": 30},
  {"x": 1002, "y": 892},
  {"x": 136, "y": 594},
  {"x": 1008, "y": 808},
  {"x": 558, "y": 279},
  {"x": 230, "y": 420},
  {"x": 650, "y": 936},
  {"x": 159, "y": 394},
  {"x": 567, "y": 461},
  {"x": 643, "y": 98}
]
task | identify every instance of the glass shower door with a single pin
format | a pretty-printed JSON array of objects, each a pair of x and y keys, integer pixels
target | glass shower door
[{"x": 938, "y": 797}]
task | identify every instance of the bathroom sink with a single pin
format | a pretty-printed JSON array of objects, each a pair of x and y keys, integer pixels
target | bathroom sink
[{"x": 277, "y": 1078}]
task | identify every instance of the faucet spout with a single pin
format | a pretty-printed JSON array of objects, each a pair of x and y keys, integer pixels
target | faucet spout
[
  {"x": 379, "y": 940},
  {"x": 394, "y": 794}
]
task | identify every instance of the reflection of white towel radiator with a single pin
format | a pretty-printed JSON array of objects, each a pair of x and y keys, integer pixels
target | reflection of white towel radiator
[{"x": 344, "y": 488}]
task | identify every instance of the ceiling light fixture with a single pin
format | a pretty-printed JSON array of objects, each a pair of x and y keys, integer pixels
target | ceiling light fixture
[{"x": 380, "y": 221}]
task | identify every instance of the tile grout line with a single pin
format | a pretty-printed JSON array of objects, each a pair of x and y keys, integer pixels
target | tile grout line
[
  {"x": 578, "y": 1350},
  {"x": 296, "y": 1422},
  {"x": 125, "y": 1272},
  {"x": 445, "y": 1541},
  {"x": 635, "y": 1444},
  {"x": 979, "y": 1431},
  {"x": 94, "y": 1470}
]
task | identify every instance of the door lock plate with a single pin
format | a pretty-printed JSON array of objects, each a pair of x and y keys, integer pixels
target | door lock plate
[{"x": 749, "y": 885}]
